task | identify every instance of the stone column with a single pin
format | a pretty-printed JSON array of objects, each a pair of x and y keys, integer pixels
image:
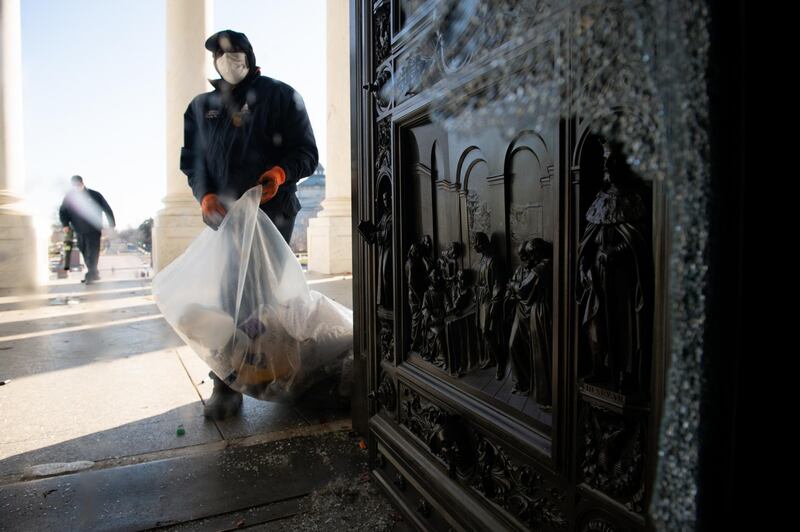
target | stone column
[
  {"x": 188, "y": 70},
  {"x": 18, "y": 264},
  {"x": 330, "y": 233}
]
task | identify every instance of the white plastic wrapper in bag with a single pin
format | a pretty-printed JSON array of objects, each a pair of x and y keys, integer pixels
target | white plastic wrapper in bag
[{"x": 239, "y": 299}]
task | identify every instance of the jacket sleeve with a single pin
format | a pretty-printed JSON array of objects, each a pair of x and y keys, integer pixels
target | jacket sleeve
[
  {"x": 193, "y": 155},
  {"x": 301, "y": 157},
  {"x": 64, "y": 214},
  {"x": 106, "y": 209}
]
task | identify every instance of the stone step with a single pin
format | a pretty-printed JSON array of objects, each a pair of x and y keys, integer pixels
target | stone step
[{"x": 260, "y": 482}]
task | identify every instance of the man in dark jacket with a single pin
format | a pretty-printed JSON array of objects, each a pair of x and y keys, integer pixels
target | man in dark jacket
[
  {"x": 249, "y": 130},
  {"x": 83, "y": 210}
]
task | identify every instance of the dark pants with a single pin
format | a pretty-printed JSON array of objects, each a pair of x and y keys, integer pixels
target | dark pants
[
  {"x": 283, "y": 222},
  {"x": 89, "y": 244}
]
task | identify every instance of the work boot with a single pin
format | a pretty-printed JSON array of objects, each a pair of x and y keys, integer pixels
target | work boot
[{"x": 224, "y": 402}]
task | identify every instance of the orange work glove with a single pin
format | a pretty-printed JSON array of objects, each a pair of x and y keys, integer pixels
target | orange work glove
[
  {"x": 270, "y": 181},
  {"x": 213, "y": 211}
]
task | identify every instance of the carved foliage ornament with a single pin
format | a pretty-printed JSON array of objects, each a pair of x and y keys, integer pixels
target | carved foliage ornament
[
  {"x": 613, "y": 460},
  {"x": 414, "y": 73},
  {"x": 461, "y": 33},
  {"x": 383, "y": 149},
  {"x": 483, "y": 465},
  {"x": 386, "y": 338},
  {"x": 518, "y": 488},
  {"x": 382, "y": 34},
  {"x": 419, "y": 415}
]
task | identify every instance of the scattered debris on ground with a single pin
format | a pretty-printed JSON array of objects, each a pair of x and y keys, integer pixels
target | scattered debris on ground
[
  {"x": 347, "y": 501},
  {"x": 345, "y": 504}
]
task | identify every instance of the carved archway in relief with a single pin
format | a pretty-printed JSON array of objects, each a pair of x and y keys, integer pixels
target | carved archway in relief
[
  {"x": 527, "y": 139},
  {"x": 471, "y": 174},
  {"x": 447, "y": 212},
  {"x": 528, "y": 171},
  {"x": 419, "y": 189}
]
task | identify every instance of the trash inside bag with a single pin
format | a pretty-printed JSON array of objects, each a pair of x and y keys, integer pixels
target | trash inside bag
[{"x": 239, "y": 299}]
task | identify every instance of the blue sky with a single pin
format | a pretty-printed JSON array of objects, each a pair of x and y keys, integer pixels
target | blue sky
[{"x": 94, "y": 90}]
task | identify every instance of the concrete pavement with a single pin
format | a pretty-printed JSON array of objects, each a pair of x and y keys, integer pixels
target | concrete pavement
[
  {"x": 98, "y": 384},
  {"x": 97, "y": 374}
]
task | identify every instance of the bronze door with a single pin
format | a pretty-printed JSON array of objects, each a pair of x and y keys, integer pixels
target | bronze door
[{"x": 509, "y": 267}]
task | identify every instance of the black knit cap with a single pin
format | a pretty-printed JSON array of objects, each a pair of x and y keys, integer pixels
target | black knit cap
[{"x": 239, "y": 43}]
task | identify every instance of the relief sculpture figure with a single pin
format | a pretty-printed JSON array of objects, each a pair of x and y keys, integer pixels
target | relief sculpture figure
[
  {"x": 528, "y": 297},
  {"x": 417, "y": 278},
  {"x": 489, "y": 298},
  {"x": 434, "y": 309},
  {"x": 614, "y": 265}
]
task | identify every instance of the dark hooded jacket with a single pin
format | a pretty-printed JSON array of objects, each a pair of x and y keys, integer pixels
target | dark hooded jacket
[{"x": 234, "y": 134}]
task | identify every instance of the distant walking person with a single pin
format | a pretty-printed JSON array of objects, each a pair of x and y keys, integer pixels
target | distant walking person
[{"x": 83, "y": 209}]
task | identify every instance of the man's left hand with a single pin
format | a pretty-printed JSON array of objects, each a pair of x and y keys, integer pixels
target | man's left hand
[{"x": 270, "y": 181}]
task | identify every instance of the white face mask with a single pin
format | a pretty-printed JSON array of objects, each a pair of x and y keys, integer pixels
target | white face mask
[{"x": 232, "y": 66}]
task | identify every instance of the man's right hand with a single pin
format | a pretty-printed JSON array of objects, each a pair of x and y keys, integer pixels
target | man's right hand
[{"x": 213, "y": 211}]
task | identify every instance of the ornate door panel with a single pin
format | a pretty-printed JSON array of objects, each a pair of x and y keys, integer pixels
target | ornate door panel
[{"x": 510, "y": 269}]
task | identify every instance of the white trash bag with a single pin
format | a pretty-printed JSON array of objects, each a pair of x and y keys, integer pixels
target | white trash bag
[{"x": 239, "y": 299}]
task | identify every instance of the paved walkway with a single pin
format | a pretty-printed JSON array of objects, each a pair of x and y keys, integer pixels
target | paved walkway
[
  {"x": 97, "y": 374},
  {"x": 96, "y": 378}
]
